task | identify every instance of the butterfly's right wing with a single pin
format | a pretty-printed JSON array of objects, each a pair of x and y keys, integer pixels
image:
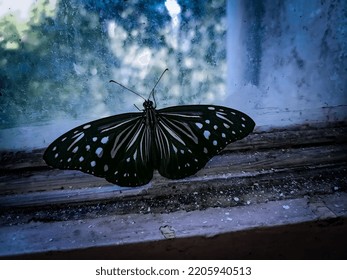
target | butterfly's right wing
[
  {"x": 188, "y": 136},
  {"x": 116, "y": 148}
]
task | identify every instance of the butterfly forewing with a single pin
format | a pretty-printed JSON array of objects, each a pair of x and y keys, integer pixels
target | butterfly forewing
[
  {"x": 188, "y": 136},
  {"x": 116, "y": 148}
]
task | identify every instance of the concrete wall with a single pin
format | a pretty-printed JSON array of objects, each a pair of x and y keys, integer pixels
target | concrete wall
[{"x": 287, "y": 60}]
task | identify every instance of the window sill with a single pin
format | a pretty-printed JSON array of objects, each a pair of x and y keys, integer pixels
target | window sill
[{"x": 274, "y": 195}]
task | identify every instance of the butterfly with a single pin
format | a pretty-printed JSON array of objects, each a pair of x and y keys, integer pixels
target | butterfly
[{"x": 125, "y": 149}]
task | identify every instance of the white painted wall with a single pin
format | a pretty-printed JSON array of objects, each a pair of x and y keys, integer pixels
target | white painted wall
[{"x": 287, "y": 61}]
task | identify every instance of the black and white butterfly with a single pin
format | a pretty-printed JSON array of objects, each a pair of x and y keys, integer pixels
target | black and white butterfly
[{"x": 125, "y": 149}]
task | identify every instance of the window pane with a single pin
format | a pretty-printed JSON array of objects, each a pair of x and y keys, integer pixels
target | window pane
[{"x": 58, "y": 57}]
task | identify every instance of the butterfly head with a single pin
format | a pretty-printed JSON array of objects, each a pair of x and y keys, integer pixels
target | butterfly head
[{"x": 148, "y": 104}]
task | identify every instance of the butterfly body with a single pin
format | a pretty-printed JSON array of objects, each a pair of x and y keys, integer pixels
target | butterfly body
[{"x": 125, "y": 149}]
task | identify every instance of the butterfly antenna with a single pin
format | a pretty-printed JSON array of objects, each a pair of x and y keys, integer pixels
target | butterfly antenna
[
  {"x": 152, "y": 91},
  {"x": 112, "y": 81}
]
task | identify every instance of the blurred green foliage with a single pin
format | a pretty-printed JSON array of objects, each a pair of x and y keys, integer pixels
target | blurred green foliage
[{"x": 59, "y": 62}]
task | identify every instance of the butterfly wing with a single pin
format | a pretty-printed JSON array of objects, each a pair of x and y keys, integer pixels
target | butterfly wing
[
  {"x": 187, "y": 137},
  {"x": 116, "y": 148}
]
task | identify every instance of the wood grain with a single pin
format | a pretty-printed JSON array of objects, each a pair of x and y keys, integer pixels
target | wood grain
[{"x": 275, "y": 156}]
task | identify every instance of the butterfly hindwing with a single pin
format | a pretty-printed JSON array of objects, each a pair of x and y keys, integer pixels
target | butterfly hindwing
[
  {"x": 116, "y": 148},
  {"x": 190, "y": 135}
]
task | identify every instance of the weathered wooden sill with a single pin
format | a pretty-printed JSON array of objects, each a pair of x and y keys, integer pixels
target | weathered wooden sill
[{"x": 279, "y": 194}]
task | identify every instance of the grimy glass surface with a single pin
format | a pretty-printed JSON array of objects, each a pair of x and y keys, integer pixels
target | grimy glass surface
[{"x": 57, "y": 59}]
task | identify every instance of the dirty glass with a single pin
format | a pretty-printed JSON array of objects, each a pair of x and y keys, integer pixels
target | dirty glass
[{"x": 56, "y": 61}]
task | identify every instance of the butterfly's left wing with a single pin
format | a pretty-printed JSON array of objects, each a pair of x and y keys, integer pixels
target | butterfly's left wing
[
  {"x": 116, "y": 148},
  {"x": 187, "y": 137}
]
